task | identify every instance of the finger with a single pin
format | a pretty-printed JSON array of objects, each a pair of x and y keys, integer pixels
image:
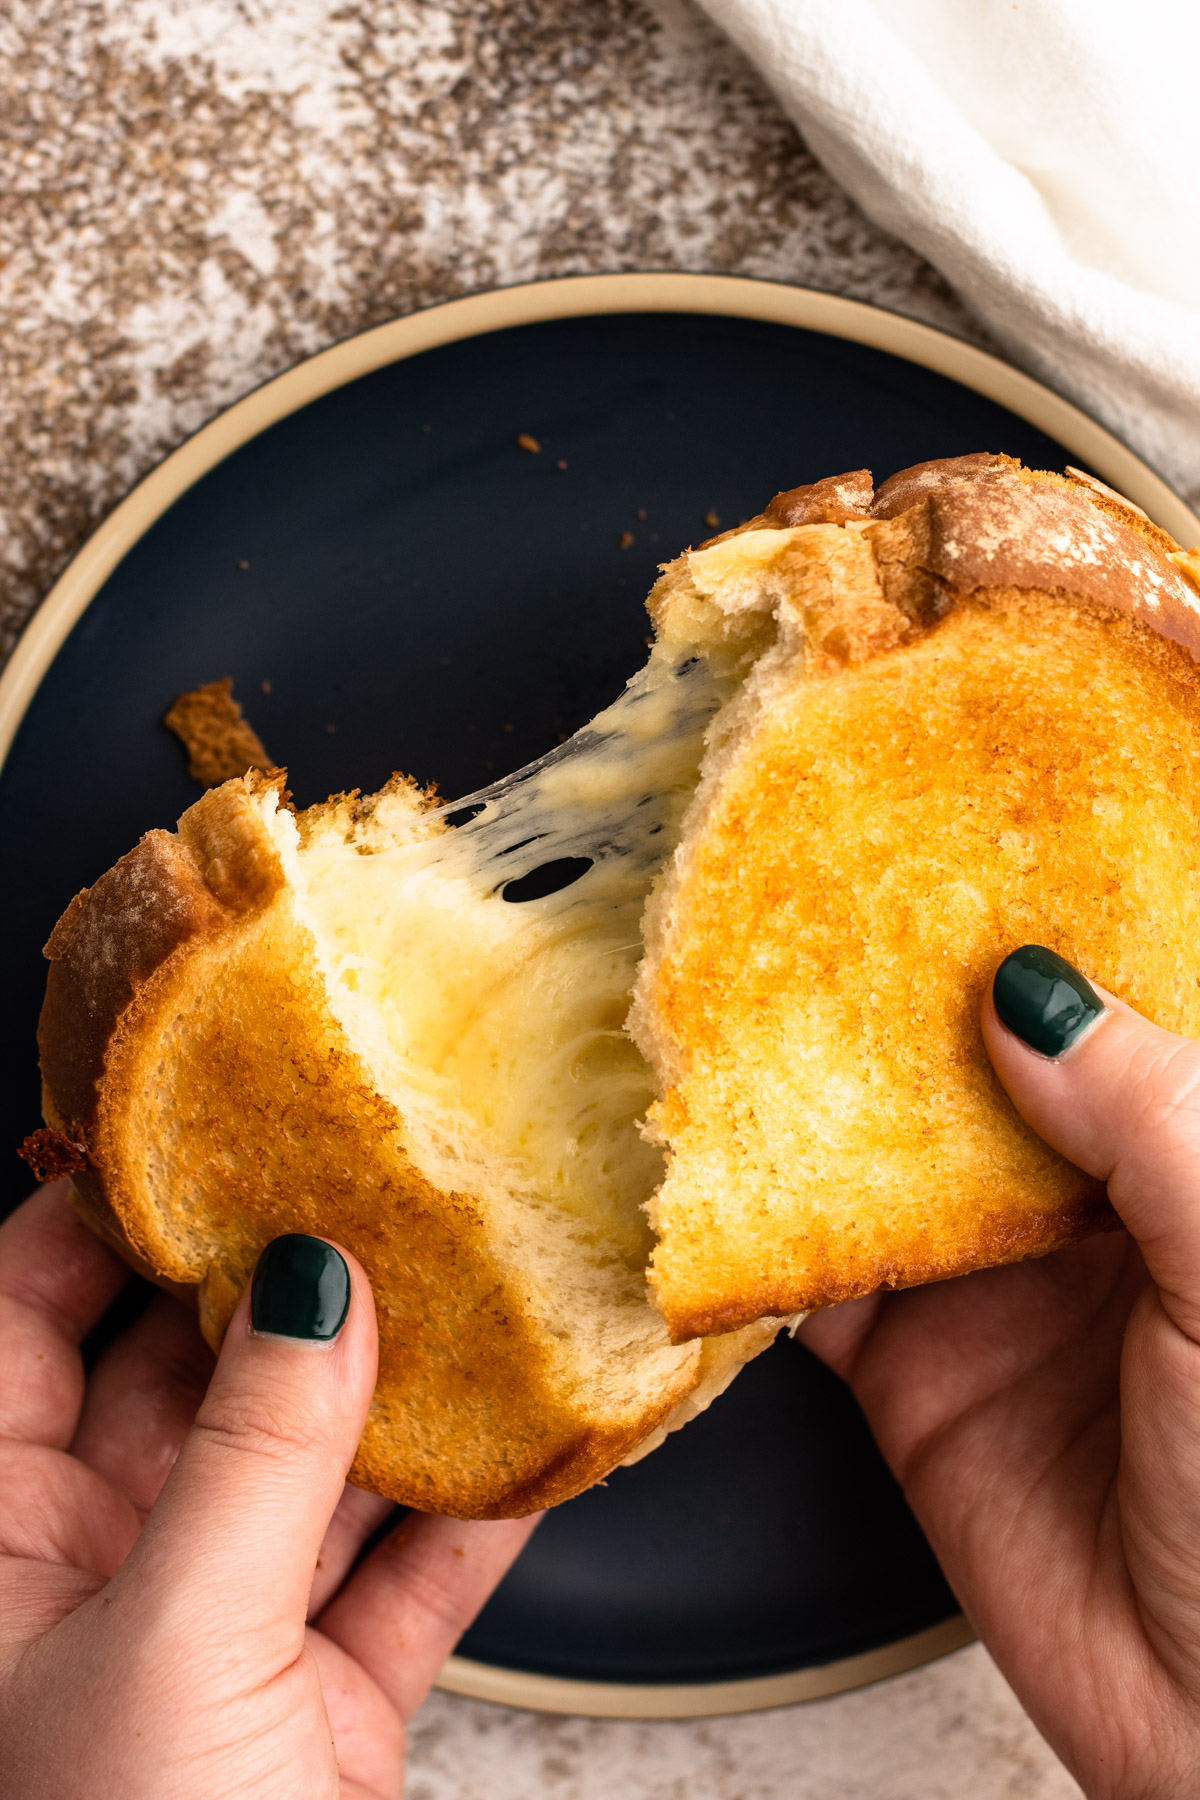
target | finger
[
  {"x": 1028, "y": 1352},
  {"x": 368, "y": 1733},
  {"x": 1121, "y": 1097},
  {"x": 36, "y": 1596},
  {"x": 232, "y": 1543},
  {"x": 141, "y": 1399},
  {"x": 56, "y": 1280},
  {"x": 1116, "y": 1095},
  {"x": 357, "y": 1516},
  {"x": 837, "y": 1333},
  {"x": 402, "y": 1613},
  {"x": 54, "y": 1510}
]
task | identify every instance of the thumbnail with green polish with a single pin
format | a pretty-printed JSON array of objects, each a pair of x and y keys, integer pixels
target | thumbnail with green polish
[
  {"x": 1043, "y": 999},
  {"x": 301, "y": 1289}
]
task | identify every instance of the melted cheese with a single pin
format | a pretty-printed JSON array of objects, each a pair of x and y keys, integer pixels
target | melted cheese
[{"x": 508, "y": 1016}]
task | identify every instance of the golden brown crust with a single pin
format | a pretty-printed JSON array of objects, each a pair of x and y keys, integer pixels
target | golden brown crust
[
  {"x": 834, "y": 500},
  {"x": 221, "y": 744},
  {"x": 831, "y": 501},
  {"x": 833, "y": 1277},
  {"x": 1011, "y": 759},
  {"x": 111, "y": 945},
  {"x": 107, "y": 944},
  {"x": 983, "y": 521},
  {"x": 1016, "y": 534},
  {"x": 908, "y": 487}
]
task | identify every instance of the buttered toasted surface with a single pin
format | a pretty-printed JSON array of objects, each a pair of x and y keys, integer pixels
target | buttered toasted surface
[{"x": 1024, "y": 770}]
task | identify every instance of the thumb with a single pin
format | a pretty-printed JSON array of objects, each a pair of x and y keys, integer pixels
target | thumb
[
  {"x": 1114, "y": 1094},
  {"x": 234, "y": 1536}
]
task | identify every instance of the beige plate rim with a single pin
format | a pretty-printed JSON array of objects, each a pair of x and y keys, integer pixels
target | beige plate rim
[
  {"x": 570, "y": 297},
  {"x": 700, "y": 1699}
]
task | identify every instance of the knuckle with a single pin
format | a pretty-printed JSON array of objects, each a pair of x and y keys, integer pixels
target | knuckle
[
  {"x": 260, "y": 1427},
  {"x": 1167, "y": 1092},
  {"x": 438, "y": 1601},
  {"x": 439, "y": 1589}
]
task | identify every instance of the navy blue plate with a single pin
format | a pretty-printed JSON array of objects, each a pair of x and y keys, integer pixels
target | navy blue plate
[{"x": 393, "y": 582}]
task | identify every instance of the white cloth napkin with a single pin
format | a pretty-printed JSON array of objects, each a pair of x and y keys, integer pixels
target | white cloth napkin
[{"x": 1044, "y": 155}]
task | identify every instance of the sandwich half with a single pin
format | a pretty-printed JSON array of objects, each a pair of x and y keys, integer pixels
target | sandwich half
[{"x": 881, "y": 739}]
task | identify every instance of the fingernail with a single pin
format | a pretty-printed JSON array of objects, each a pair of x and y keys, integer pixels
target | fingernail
[
  {"x": 301, "y": 1289},
  {"x": 1043, "y": 1000}
]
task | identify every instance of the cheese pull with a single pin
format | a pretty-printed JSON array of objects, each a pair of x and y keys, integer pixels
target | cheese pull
[
  {"x": 491, "y": 951},
  {"x": 609, "y": 800}
]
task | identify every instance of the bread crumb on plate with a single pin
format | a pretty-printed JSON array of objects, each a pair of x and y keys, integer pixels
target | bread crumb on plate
[{"x": 219, "y": 742}]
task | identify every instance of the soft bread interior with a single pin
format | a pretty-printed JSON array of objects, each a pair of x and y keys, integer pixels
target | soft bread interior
[
  {"x": 501, "y": 1020},
  {"x": 494, "y": 1022}
]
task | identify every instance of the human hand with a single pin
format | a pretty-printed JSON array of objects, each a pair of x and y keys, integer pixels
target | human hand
[
  {"x": 157, "y": 1562},
  {"x": 1044, "y": 1419}
]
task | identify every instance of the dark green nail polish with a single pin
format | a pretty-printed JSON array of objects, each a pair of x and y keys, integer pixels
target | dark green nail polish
[
  {"x": 1043, "y": 1000},
  {"x": 301, "y": 1289}
]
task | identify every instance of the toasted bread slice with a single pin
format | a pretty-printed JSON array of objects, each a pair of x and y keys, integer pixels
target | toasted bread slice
[
  {"x": 978, "y": 726},
  {"x": 355, "y": 1021},
  {"x": 927, "y": 724}
]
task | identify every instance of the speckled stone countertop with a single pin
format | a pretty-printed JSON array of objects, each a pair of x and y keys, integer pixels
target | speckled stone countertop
[{"x": 197, "y": 193}]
